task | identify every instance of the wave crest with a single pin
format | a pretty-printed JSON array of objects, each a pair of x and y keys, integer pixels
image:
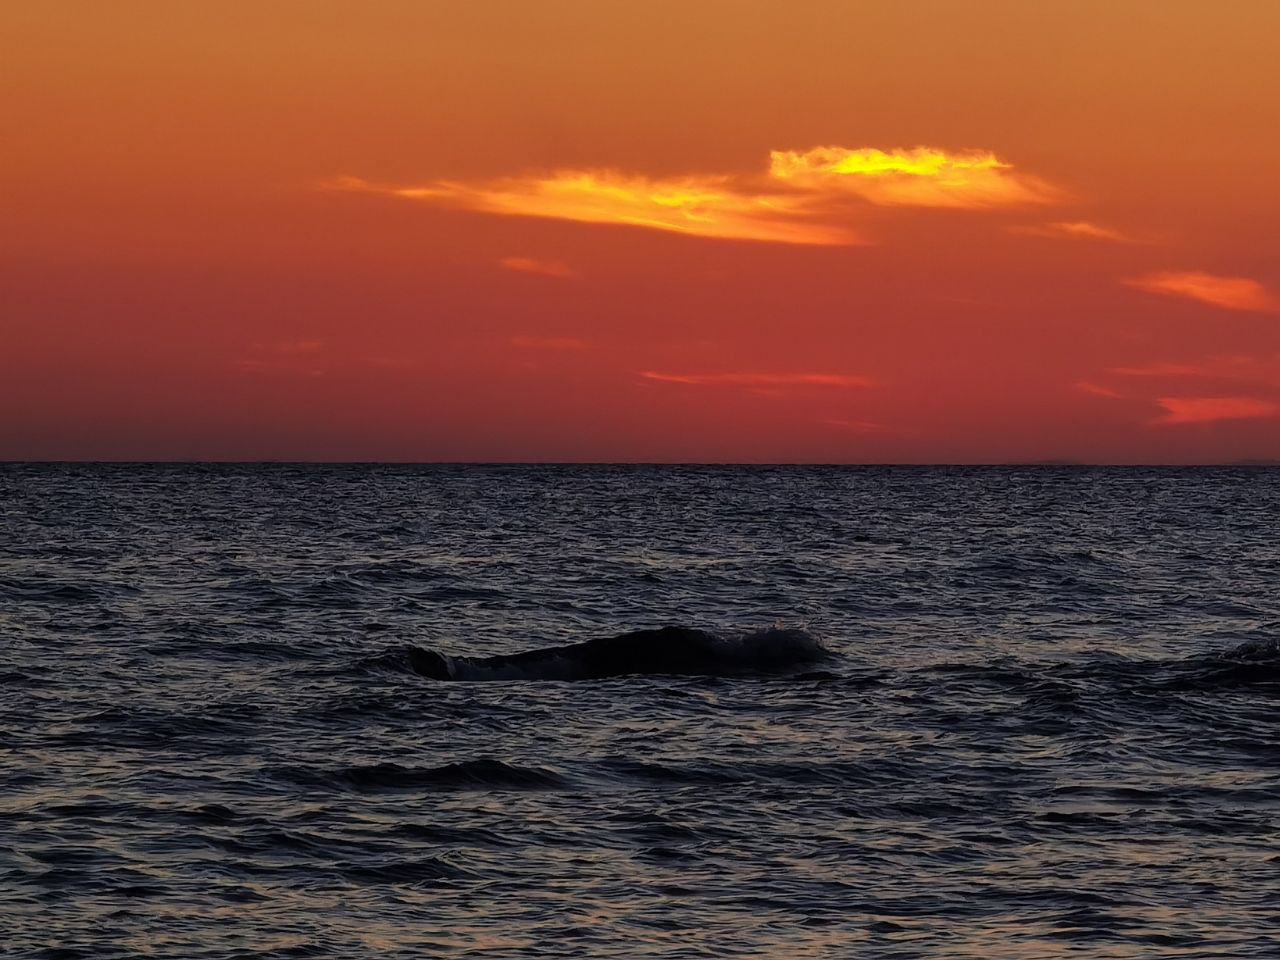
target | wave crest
[
  {"x": 484, "y": 773},
  {"x": 680, "y": 651}
]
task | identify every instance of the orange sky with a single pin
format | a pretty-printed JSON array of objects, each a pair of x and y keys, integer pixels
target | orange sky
[{"x": 809, "y": 231}]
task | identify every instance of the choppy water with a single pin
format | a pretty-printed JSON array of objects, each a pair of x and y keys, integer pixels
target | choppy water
[{"x": 1051, "y": 726}]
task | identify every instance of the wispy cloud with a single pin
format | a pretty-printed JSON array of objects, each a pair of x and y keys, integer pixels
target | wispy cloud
[
  {"x": 546, "y": 268},
  {"x": 1231, "y": 293},
  {"x": 548, "y": 343},
  {"x": 290, "y": 348},
  {"x": 1263, "y": 369},
  {"x": 1158, "y": 370},
  {"x": 258, "y": 365},
  {"x": 922, "y": 176},
  {"x": 1230, "y": 373},
  {"x": 390, "y": 361},
  {"x": 855, "y": 426},
  {"x": 1075, "y": 229},
  {"x": 794, "y": 201},
  {"x": 703, "y": 206},
  {"x": 761, "y": 379},
  {"x": 1180, "y": 410},
  {"x": 1098, "y": 390},
  {"x": 290, "y": 356}
]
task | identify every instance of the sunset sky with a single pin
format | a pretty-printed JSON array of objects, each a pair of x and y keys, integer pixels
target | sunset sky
[{"x": 830, "y": 231}]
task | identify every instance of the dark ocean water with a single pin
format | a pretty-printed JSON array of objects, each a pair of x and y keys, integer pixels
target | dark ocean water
[{"x": 1050, "y": 726}]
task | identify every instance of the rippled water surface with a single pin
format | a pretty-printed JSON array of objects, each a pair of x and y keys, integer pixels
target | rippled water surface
[{"x": 1051, "y": 725}]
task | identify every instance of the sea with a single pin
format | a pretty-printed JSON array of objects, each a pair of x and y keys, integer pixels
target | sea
[{"x": 1042, "y": 719}]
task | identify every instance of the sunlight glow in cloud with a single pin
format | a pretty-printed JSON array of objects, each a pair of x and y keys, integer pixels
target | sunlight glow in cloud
[
  {"x": 703, "y": 206},
  {"x": 922, "y": 176},
  {"x": 761, "y": 379},
  {"x": 779, "y": 206},
  {"x": 1080, "y": 229},
  {"x": 1232, "y": 293},
  {"x": 1209, "y": 409},
  {"x": 546, "y": 268}
]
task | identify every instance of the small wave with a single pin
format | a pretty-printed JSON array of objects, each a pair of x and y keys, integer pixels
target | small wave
[
  {"x": 483, "y": 774},
  {"x": 388, "y": 661},
  {"x": 54, "y": 592},
  {"x": 1254, "y": 664},
  {"x": 274, "y": 651},
  {"x": 1255, "y": 651},
  {"x": 623, "y": 769},
  {"x": 425, "y": 871},
  {"x": 1260, "y": 675},
  {"x": 669, "y": 650}
]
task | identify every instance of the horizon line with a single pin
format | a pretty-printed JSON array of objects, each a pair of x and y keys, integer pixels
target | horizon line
[{"x": 1046, "y": 464}]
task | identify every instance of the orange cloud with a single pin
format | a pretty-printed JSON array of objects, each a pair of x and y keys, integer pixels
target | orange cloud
[
  {"x": 547, "y": 268},
  {"x": 761, "y": 379},
  {"x": 548, "y": 343},
  {"x": 1233, "y": 293},
  {"x": 1075, "y": 229},
  {"x": 778, "y": 207},
  {"x": 923, "y": 176},
  {"x": 702, "y": 206},
  {"x": 1209, "y": 409}
]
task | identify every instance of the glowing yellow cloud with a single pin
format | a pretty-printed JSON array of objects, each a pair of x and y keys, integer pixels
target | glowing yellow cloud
[
  {"x": 1232, "y": 293},
  {"x": 761, "y": 379},
  {"x": 922, "y": 176},
  {"x": 1208, "y": 409},
  {"x": 703, "y": 206},
  {"x": 779, "y": 207}
]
